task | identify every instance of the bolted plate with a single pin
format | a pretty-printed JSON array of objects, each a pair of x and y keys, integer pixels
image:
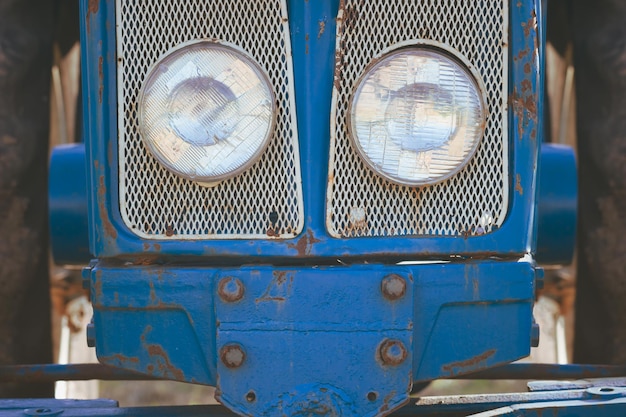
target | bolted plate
[{"x": 312, "y": 343}]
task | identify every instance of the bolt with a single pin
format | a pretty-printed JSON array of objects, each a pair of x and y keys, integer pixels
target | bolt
[
  {"x": 393, "y": 287},
  {"x": 230, "y": 289},
  {"x": 91, "y": 335},
  {"x": 534, "y": 335},
  {"x": 232, "y": 355},
  {"x": 392, "y": 352}
]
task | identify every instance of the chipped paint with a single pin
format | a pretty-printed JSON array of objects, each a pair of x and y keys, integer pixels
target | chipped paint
[
  {"x": 518, "y": 184},
  {"x": 322, "y": 28},
  {"x": 304, "y": 244},
  {"x": 524, "y": 97},
  {"x": 92, "y": 8},
  {"x": 279, "y": 289},
  {"x": 119, "y": 360},
  {"x": 104, "y": 214},
  {"x": 153, "y": 297},
  {"x": 339, "y": 52},
  {"x": 100, "y": 78},
  {"x": 524, "y": 106},
  {"x": 271, "y": 232},
  {"x": 164, "y": 366},
  {"x": 468, "y": 365}
]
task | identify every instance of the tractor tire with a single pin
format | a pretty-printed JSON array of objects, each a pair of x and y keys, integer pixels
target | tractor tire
[
  {"x": 599, "y": 34},
  {"x": 26, "y": 35}
]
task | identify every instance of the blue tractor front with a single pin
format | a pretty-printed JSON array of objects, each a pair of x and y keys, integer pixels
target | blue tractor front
[{"x": 315, "y": 205}]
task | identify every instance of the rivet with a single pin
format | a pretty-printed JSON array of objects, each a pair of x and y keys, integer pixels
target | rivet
[
  {"x": 230, "y": 289},
  {"x": 392, "y": 352},
  {"x": 232, "y": 355},
  {"x": 393, "y": 287}
]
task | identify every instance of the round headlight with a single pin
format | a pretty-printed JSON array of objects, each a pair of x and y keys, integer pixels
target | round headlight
[
  {"x": 206, "y": 111},
  {"x": 417, "y": 115}
]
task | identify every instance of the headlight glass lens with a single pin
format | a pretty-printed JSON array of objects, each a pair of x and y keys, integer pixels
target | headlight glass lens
[
  {"x": 417, "y": 115},
  {"x": 206, "y": 111}
]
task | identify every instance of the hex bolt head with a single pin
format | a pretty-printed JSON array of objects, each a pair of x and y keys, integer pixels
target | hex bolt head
[
  {"x": 91, "y": 335},
  {"x": 534, "y": 335},
  {"x": 392, "y": 352},
  {"x": 232, "y": 355},
  {"x": 230, "y": 289},
  {"x": 393, "y": 287}
]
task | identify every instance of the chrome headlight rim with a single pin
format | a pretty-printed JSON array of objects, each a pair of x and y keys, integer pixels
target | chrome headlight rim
[
  {"x": 443, "y": 50},
  {"x": 172, "y": 54}
]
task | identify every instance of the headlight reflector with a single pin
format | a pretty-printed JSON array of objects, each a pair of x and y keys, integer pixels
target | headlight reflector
[
  {"x": 417, "y": 115},
  {"x": 206, "y": 111}
]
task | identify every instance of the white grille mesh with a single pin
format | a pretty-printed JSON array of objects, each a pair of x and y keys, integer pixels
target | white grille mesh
[
  {"x": 266, "y": 200},
  {"x": 360, "y": 203}
]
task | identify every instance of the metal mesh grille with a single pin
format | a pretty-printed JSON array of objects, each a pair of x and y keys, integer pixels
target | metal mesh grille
[
  {"x": 360, "y": 203},
  {"x": 266, "y": 200}
]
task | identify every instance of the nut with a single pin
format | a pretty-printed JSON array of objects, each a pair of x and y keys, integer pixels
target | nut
[
  {"x": 392, "y": 352},
  {"x": 393, "y": 287},
  {"x": 230, "y": 289},
  {"x": 232, "y": 355}
]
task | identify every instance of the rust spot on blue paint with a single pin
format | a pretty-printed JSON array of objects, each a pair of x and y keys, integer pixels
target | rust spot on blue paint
[
  {"x": 518, "y": 184},
  {"x": 118, "y": 359},
  {"x": 153, "y": 297},
  {"x": 304, "y": 244},
  {"x": 92, "y": 8},
  {"x": 279, "y": 289},
  {"x": 100, "y": 78},
  {"x": 104, "y": 215},
  {"x": 161, "y": 364},
  {"x": 468, "y": 365},
  {"x": 322, "y": 28}
]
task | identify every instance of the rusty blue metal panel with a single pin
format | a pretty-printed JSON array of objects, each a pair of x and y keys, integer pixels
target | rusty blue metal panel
[
  {"x": 470, "y": 317},
  {"x": 313, "y": 65},
  {"x": 295, "y": 332},
  {"x": 156, "y": 320},
  {"x": 319, "y": 334}
]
